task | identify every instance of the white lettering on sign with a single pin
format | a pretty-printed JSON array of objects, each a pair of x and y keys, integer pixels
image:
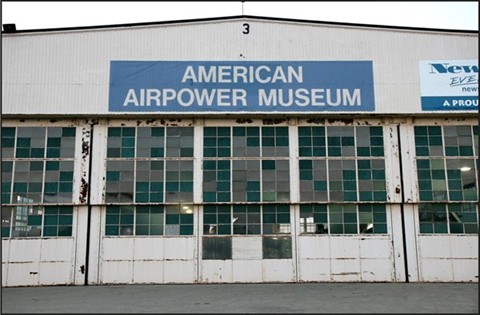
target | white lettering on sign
[
  {"x": 313, "y": 97},
  {"x": 243, "y": 74},
  {"x": 186, "y": 97}
]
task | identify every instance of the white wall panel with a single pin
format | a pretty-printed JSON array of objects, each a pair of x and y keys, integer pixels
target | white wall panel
[
  {"x": 436, "y": 270},
  {"x": 344, "y": 247},
  {"x": 464, "y": 246},
  {"x": 179, "y": 271},
  {"x": 246, "y": 248},
  {"x": 278, "y": 270},
  {"x": 23, "y": 274},
  {"x": 246, "y": 270},
  {"x": 345, "y": 270},
  {"x": 56, "y": 273},
  {"x": 447, "y": 258},
  {"x": 216, "y": 271},
  {"x": 148, "y": 271},
  {"x": 68, "y": 72},
  {"x": 179, "y": 248},
  {"x": 57, "y": 249},
  {"x": 376, "y": 270},
  {"x": 26, "y": 250},
  {"x": 117, "y": 248},
  {"x": 314, "y": 270},
  {"x": 313, "y": 247},
  {"x": 465, "y": 270},
  {"x": 4, "y": 273},
  {"x": 371, "y": 247},
  {"x": 148, "y": 248},
  {"x": 116, "y": 272},
  {"x": 5, "y": 250}
]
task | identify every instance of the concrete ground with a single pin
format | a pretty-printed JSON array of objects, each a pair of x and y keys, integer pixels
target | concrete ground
[{"x": 453, "y": 298}]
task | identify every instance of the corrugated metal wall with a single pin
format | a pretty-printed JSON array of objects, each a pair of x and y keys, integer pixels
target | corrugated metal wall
[{"x": 68, "y": 72}]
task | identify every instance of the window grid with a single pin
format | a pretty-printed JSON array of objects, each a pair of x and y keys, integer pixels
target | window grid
[
  {"x": 343, "y": 219},
  {"x": 454, "y": 218},
  {"x": 446, "y": 169},
  {"x": 241, "y": 219},
  {"x": 37, "y": 164},
  {"x": 446, "y": 172},
  {"x": 342, "y": 163},
  {"x": 37, "y": 221},
  {"x": 149, "y": 165},
  {"x": 257, "y": 168},
  {"x": 149, "y": 220}
]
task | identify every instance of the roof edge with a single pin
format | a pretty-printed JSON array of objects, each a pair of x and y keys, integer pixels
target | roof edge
[{"x": 234, "y": 17}]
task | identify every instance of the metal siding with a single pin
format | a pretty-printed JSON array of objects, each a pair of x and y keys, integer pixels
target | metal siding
[
  {"x": 246, "y": 270},
  {"x": 446, "y": 258},
  {"x": 146, "y": 271},
  {"x": 68, "y": 72},
  {"x": 278, "y": 270},
  {"x": 346, "y": 258},
  {"x": 247, "y": 248},
  {"x": 217, "y": 271}
]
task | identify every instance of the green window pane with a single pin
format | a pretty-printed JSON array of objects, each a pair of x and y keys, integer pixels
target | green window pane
[
  {"x": 65, "y": 220},
  {"x": 112, "y": 230},
  {"x": 50, "y": 231},
  {"x": 186, "y": 229},
  {"x": 51, "y": 220},
  {"x": 142, "y": 230},
  {"x": 34, "y": 220}
]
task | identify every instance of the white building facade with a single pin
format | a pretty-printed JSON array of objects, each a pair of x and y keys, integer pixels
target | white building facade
[{"x": 239, "y": 149}]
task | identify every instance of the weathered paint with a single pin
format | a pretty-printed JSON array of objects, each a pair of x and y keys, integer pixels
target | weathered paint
[
  {"x": 169, "y": 259},
  {"x": 46, "y": 261},
  {"x": 73, "y": 80},
  {"x": 346, "y": 258},
  {"x": 443, "y": 258}
]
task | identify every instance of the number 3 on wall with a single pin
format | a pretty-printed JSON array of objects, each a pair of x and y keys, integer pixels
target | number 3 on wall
[{"x": 246, "y": 30}]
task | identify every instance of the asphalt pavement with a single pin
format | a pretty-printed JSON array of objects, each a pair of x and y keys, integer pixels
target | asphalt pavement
[{"x": 432, "y": 298}]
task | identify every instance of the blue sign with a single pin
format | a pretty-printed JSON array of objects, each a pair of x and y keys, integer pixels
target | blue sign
[{"x": 236, "y": 86}]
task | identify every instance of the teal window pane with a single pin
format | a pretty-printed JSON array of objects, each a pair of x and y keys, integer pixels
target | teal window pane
[
  {"x": 5, "y": 231},
  {"x": 142, "y": 230},
  {"x": 65, "y": 220},
  {"x": 34, "y": 220},
  {"x": 186, "y": 229},
  {"x": 50, "y": 231},
  {"x": 172, "y": 219},
  {"x": 112, "y": 230},
  {"x": 64, "y": 231},
  {"x": 51, "y": 220}
]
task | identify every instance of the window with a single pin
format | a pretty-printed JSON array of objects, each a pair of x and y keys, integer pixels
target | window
[
  {"x": 343, "y": 219},
  {"x": 37, "y": 164},
  {"x": 37, "y": 181},
  {"x": 445, "y": 163},
  {"x": 446, "y": 172},
  {"x": 217, "y": 248},
  {"x": 149, "y": 165},
  {"x": 149, "y": 220},
  {"x": 36, "y": 221},
  {"x": 246, "y": 219},
  {"x": 441, "y": 218},
  {"x": 342, "y": 163},
  {"x": 270, "y": 220},
  {"x": 277, "y": 247},
  {"x": 246, "y": 164}
]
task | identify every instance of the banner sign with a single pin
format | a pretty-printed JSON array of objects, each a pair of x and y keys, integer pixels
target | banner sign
[
  {"x": 236, "y": 86},
  {"x": 449, "y": 85}
]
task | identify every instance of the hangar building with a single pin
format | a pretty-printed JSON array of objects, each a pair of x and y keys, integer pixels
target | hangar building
[{"x": 239, "y": 149}]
